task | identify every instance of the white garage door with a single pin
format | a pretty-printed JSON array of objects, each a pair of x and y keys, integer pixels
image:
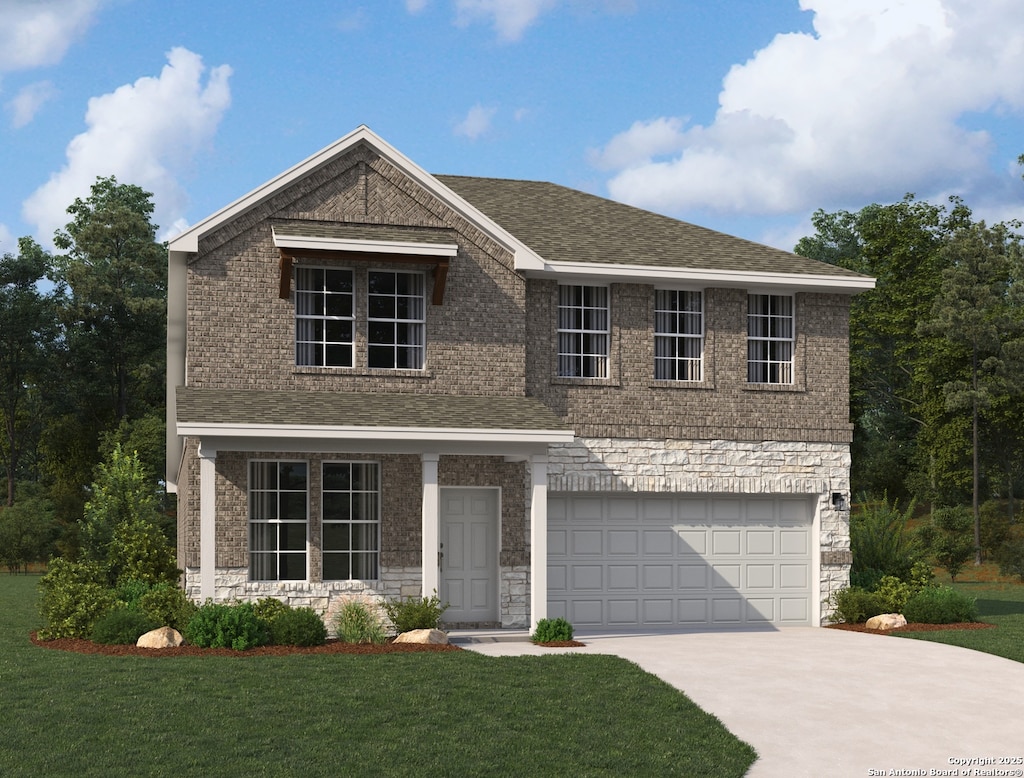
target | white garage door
[{"x": 679, "y": 561}]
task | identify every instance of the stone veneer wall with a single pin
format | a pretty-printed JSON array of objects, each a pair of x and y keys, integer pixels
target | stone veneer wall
[{"x": 720, "y": 467}]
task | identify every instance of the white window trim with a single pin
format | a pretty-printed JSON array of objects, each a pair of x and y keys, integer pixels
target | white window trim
[
  {"x": 324, "y": 521},
  {"x": 577, "y": 357},
  {"x": 677, "y": 337},
  {"x": 276, "y": 522},
  {"x": 785, "y": 366}
]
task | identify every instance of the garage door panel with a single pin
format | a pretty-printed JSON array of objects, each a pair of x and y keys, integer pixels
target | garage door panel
[{"x": 683, "y": 560}]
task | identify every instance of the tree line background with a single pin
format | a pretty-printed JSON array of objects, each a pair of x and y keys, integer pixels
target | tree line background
[{"x": 936, "y": 362}]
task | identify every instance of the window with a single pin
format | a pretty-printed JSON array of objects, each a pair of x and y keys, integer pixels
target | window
[
  {"x": 323, "y": 317},
  {"x": 678, "y": 335},
  {"x": 769, "y": 339},
  {"x": 277, "y": 521},
  {"x": 395, "y": 320},
  {"x": 583, "y": 331},
  {"x": 351, "y": 520}
]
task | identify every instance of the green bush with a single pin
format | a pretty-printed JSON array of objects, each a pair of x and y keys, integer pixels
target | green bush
[
  {"x": 220, "y": 625},
  {"x": 894, "y": 593},
  {"x": 297, "y": 627},
  {"x": 129, "y": 591},
  {"x": 269, "y": 608},
  {"x": 74, "y": 596},
  {"x": 1011, "y": 558},
  {"x": 122, "y": 626},
  {"x": 879, "y": 539},
  {"x": 415, "y": 613},
  {"x": 854, "y": 605},
  {"x": 168, "y": 605},
  {"x": 551, "y": 631},
  {"x": 995, "y": 527},
  {"x": 952, "y": 538},
  {"x": 941, "y": 605},
  {"x": 356, "y": 623}
]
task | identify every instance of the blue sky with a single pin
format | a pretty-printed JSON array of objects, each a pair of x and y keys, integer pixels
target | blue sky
[{"x": 741, "y": 115}]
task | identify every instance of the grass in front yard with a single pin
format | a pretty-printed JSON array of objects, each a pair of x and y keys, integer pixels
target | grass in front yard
[
  {"x": 1001, "y": 604},
  {"x": 456, "y": 713}
]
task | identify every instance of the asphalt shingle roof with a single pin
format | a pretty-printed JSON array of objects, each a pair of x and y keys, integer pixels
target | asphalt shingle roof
[
  {"x": 352, "y": 409},
  {"x": 563, "y": 224}
]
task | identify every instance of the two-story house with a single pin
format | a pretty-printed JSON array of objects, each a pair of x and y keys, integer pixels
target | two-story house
[{"x": 531, "y": 400}]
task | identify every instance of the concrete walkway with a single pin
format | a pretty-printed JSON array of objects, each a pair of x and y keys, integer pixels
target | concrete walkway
[{"x": 822, "y": 702}]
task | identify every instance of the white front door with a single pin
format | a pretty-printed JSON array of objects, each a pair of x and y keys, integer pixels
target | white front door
[{"x": 469, "y": 554}]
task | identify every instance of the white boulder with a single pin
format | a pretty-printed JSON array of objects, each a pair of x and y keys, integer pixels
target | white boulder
[
  {"x": 164, "y": 637},
  {"x": 434, "y": 636},
  {"x": 886, "y": 621}
]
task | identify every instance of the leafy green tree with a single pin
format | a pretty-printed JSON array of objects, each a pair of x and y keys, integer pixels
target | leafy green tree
[
  {"x": 28, "y": 339},
  {"x": 971, "y": 315},
  {"x": 900, "y": 246},
  {"x": 27, "y": 530},
  {"x": 112, "y": 277}
]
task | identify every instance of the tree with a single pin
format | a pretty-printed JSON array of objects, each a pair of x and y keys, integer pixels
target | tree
[
  {"x": 28, "y": 336},
  {"x": 972, "y": 315},
  {"x": 899, "y": 245},
  {"x": 27, "y": 530},
  {"x": 112, "y": 279}
]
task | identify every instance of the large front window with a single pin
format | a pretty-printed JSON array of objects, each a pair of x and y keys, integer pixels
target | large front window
[
  {"x": 278, "y": 520},
  {"x": 583, "y": 331},
  {"x": 678, "y": 335},
  {"x": 351, "y": 520},
  {"x": 324, "y": 321},
  {"x": 770, "y": 339},
  {"x": 395, "y": 320}
]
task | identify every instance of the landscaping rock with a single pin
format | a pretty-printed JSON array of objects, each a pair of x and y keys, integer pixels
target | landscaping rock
[
  {"x": 432, "y": 636},
  {"x": 165, "y": 637},
  {"x": 886, "y": 621}
]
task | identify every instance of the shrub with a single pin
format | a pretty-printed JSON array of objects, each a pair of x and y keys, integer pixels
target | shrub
[
  {"x": 894, "y": 593},
  {"x": 415, "y": 613},
  {"x": 356, "y": 623},
  {"x": 854, "y": 605},
  {"x": 269, "y": 608},
  {"x": 74, "y": 596},
  {"x": 297, "y": 627},
  {"x": 551, "y": 631},
  {"x": 941, "y": 605},
  {"x": 168, "y": 605},
  {"x": 130, "y": 591},
  {"x": 879, "y": 539},
  {"x": 219, "y": 625},
  {"x": 140, "y": 551},
  {"x": 122, "y": 626},
  {"x": 995, "y": 527},
  {"x": 1011, "y": 558},
  {"x": 953, "y": 542}
]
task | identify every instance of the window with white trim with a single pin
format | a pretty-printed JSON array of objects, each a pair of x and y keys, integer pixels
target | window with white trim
[
  {"x": 583, "y": 331},
  {"x": 396, "y": 324},
  {"x": 324, "y": 320},
  {"x": 678, "y": 335},
  {"x": 278, "y": 520},
  {"x": 351, "y": 521},
  {"x": 770, "y": 339}
]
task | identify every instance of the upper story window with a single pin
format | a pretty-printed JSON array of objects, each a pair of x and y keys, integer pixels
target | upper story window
[
  {"x": 324, "y": 321},
  {"x": 678, "y": 335},
  {"x": 770, "y": 339},
  {"x": 396, "y": 324},
  {"x": 278, "y": 520},
  {"x": 351, "y": 520},
  {"x": 583, "y": 331}
]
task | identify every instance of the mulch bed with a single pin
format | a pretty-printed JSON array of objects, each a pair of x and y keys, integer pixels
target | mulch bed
[
  {"x": 561, "y": 644},
  {"x": 913, "y": 627},
  {"x": 330, "y": 647}
]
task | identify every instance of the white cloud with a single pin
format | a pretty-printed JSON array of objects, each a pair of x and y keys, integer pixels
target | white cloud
[
  {"x": 24, "y": 105},
  {"x": 39, "y": 32},
  {"x": 146, "y": 133},
  {"x": 870, "y": 105},
  {"x": 477, "y": 122},
  {"x": 509, "y": 17}
]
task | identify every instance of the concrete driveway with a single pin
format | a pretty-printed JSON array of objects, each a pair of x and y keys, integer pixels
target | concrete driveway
[{"x": 822, "y": 702}]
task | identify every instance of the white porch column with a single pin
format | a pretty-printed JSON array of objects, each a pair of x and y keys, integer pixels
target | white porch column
[
  {"x": 538, "y": 539},
  {"x": 207, "y": 521},
  {"x": 431, "y": 526}
]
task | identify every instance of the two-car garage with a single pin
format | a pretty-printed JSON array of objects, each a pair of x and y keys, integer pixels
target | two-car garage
[{"x": 668, "y": 560}]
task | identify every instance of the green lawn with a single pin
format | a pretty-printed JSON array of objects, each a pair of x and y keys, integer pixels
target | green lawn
[
  {"x": 448, "y": 714},
  {"x": 998, "y": 603}
]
